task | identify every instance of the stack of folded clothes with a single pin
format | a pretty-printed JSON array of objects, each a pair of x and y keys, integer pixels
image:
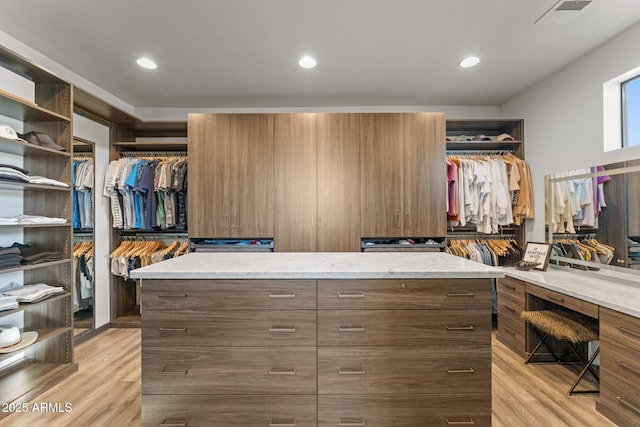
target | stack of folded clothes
[
  {"x": 13, "y": 173},
  {"x": 10, "y": 257},
  {"x": 8, "y": 303},
  {"x": 30, "y": 293},
  {"x": 36, "y": 255}
]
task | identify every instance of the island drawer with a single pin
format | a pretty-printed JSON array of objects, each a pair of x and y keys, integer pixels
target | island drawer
[
  {"x": 229, "y": 370},
  {"x": 616, "y": 327},
  {"x": 575, "y": 304},
  {"x": 228, "y": 294},
  {"x": 404, "y": 294},
  {"x": 512, "y": 288},
  {"x": 417, "y": 410},
  {"x": 276, "y": 328},
  {"x": 387, "y": 370},
  {"x": 432, "y": 328},
  {"x": 511, "y": 332},
  {"x": 228, "y": 411}
]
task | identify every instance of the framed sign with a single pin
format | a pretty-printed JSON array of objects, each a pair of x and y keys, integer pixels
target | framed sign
[{"x": 537, "y": 253}]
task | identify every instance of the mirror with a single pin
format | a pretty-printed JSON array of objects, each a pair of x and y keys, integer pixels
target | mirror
[
  {"x": 83, "y": 237},
  {"x": 593, "y": 217}
]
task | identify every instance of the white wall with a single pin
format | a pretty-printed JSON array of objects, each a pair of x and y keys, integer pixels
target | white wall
[
  {"x": 564, "y": 116},
  {"x": 99, "y": 135}
]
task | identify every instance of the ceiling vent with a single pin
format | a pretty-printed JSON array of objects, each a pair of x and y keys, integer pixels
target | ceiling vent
[{"x": 563, "y": 12}]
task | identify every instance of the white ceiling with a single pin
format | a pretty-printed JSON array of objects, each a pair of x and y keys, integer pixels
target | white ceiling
[{"x": 244, "y": 53}]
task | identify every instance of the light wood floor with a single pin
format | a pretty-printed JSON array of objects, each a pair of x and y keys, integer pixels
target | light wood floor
[{"x": 106, "y": 390}]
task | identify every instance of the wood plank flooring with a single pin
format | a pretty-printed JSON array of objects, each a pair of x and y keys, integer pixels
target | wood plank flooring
[{"x": 106, "y": 390}]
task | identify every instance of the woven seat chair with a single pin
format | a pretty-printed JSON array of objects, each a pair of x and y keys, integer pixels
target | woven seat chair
[{"x": 570, "y": 327}]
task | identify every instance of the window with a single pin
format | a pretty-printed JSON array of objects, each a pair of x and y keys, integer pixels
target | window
[{"x": 631, "y": 112}]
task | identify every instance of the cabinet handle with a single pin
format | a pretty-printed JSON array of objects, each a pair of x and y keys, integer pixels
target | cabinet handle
[
  {"x": 461, "y": 328},
  {"x": 351, "y": 371},
  {"x": 398, "y": 221},
  {"x": 628, "y": 368},
  {"x": 506, "y": 307},
  {"x": 461, "y": 371},
  {"x": 468, "y": 422},
  {"x": 460, "y": 294},
  {"x": 628, "y": 332},
  {"x": 282, "y": 329},
  {"x": 554, "y": 298},
  {"x": 282, "y": 371},
  {"x": 408, "y": 221},
  {"x": 235, "y": 221},
  {"x": 173, "y": 296},
  {"x": 351, "y": 422},
  {"x": 166, "y": 423},
  {"x": 351, "y": 329},
  {"x": 226, "y": 222},
  {"x": 510, "y": 287},
  {"x": 350, "y": 294},
  {"x": 282, "y": 422},
  {"x": 281, "y": 295},
  {"x": 163, "y": 329},
  {"x": 628, "y": 405},
  {"x": 166, "y": 371}
]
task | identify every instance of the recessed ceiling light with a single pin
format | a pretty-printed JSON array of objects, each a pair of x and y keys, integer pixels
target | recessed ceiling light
[
  {"x": 307, "y": 62},
  {"x": 469, "y": 61},
  {"x": 146, "y": 63}
]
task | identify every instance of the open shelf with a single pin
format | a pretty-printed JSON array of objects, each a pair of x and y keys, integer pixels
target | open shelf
[
  {"x": 43, "y": 335},
  {"x": 35, "y": 266},
  {"x": 28, "y": 379},
  {"x": 24, "y": 148},
  {"x": 26, "y": 306},
  {"x": 24, "y": 110},
  {"x": 13, "y": 185}
]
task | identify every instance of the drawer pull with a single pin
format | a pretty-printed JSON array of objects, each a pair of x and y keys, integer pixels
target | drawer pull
[
  {"x": 282, "y": 329},
  {"x": 460, "y": 294},
  {"x": 351, "y": 328},
  {"x": 628, "y": 332},
  {"x": 468, "y": 422},
  {"x": 282, "y": 422},
  {"x": 461, "y": 328},
  {"x": 163, "y": 329},
  {"x": 179, "y": 371},
  {"x": 461, "y": 371},
  {"x": 351, "y": 371},
  {"x": 282, "y": 371},
  {"x": 350, "y": 294},
  {"x": 506, "y": 307},
  {"x": 628, "y": 368},
  {"x": 173, "y": 296},
  {"x": 282, "y": 295},
  {"x": 166, "y": 423},
  {"x": 351, "y": 422},
  {"x": 628, "y": 405},
  {"x": 510, "y": 287},
  {"x": 554, "y": 298}
]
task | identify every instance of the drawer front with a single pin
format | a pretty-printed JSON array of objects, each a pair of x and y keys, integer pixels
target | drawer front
[
  {"x": 623, "y": 409},
  {"x": 418, "y": 410},
  {"x": 386, "y": 370},
  {"x": 231, "y": 411},
  {"x": 229, "y": 328},
  {"x": 404, "y": 327},
  {"x": 405, "y": 294},
  {"x": 508, "y": 307},
  {"x": 620, "y": 328},
  {"x": 227, "y": 294},
  {"x": 511, "y": 332},
  {"x": 563, "y": 300},
  {"x": 513, "y": 288},
  {"x": 229, "y": 370}
]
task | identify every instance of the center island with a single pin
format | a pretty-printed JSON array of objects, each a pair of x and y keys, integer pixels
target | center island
[{"x": 316, "y": 339}]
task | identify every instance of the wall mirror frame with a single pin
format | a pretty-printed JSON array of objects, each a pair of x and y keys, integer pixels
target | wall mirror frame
[
  {"x": 618, "y": 224},
  {"x": 83, "y": 239}
]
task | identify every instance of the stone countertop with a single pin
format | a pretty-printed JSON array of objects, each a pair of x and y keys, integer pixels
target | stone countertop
[
  {"x": 615, "y": 290},
  {"x": 317, "y": 265}
]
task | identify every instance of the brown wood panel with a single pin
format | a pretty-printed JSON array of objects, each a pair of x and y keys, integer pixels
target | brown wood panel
[
  {"x": 511, "y": 331},
  {"x": 512, "y": 288},
  {"x": 338, "y": 139},
  {"x": 381, "y": 175},
  {"x": 617, "y": 327},
  {"x": 431, "y": 329},
  {"x": 405, "y": 294},
  {"x": 208, "y": 294},
  {"x": 238, "y": 411},
  {"x": 630, "y": 204},
  {"x": 55, "y": 97},
  {"x": 620, "y": 408},
  {"x": 208, "y": 174},
  {"x": 251, "y": 184},
  {"x": 295, "y": 170},
  {"x": 229, "y": 370},
  {"x": 388, "y": 370},
  {"x": 575, "y": 304},
  {"x": 418, "y": 410},
  {"x": 268, "y": 328},
  {"x": 424, "y": 168},
  {"x": 510, "y": 307}
]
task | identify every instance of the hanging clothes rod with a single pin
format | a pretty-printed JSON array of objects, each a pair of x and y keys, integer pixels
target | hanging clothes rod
[
  {"x": 82, "y": 156},
  {"x": 134, "y": 154},
  {"x": 468, "y": 236},
  {"x": 150, "y": 237},
  {"x": 478, "y": 152},
  {"x": 574, "y": 236}
]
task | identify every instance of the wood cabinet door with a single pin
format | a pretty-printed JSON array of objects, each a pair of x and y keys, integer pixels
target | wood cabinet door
[
  {"x": 295, "y": 182},
  {"x": 338, "y": 139},
  {"x": 424, "y": 170},
  {"x": 208, "y": 175},
  {"x": 251, "y": 183},
  {"x": 381, "y": 177}
]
